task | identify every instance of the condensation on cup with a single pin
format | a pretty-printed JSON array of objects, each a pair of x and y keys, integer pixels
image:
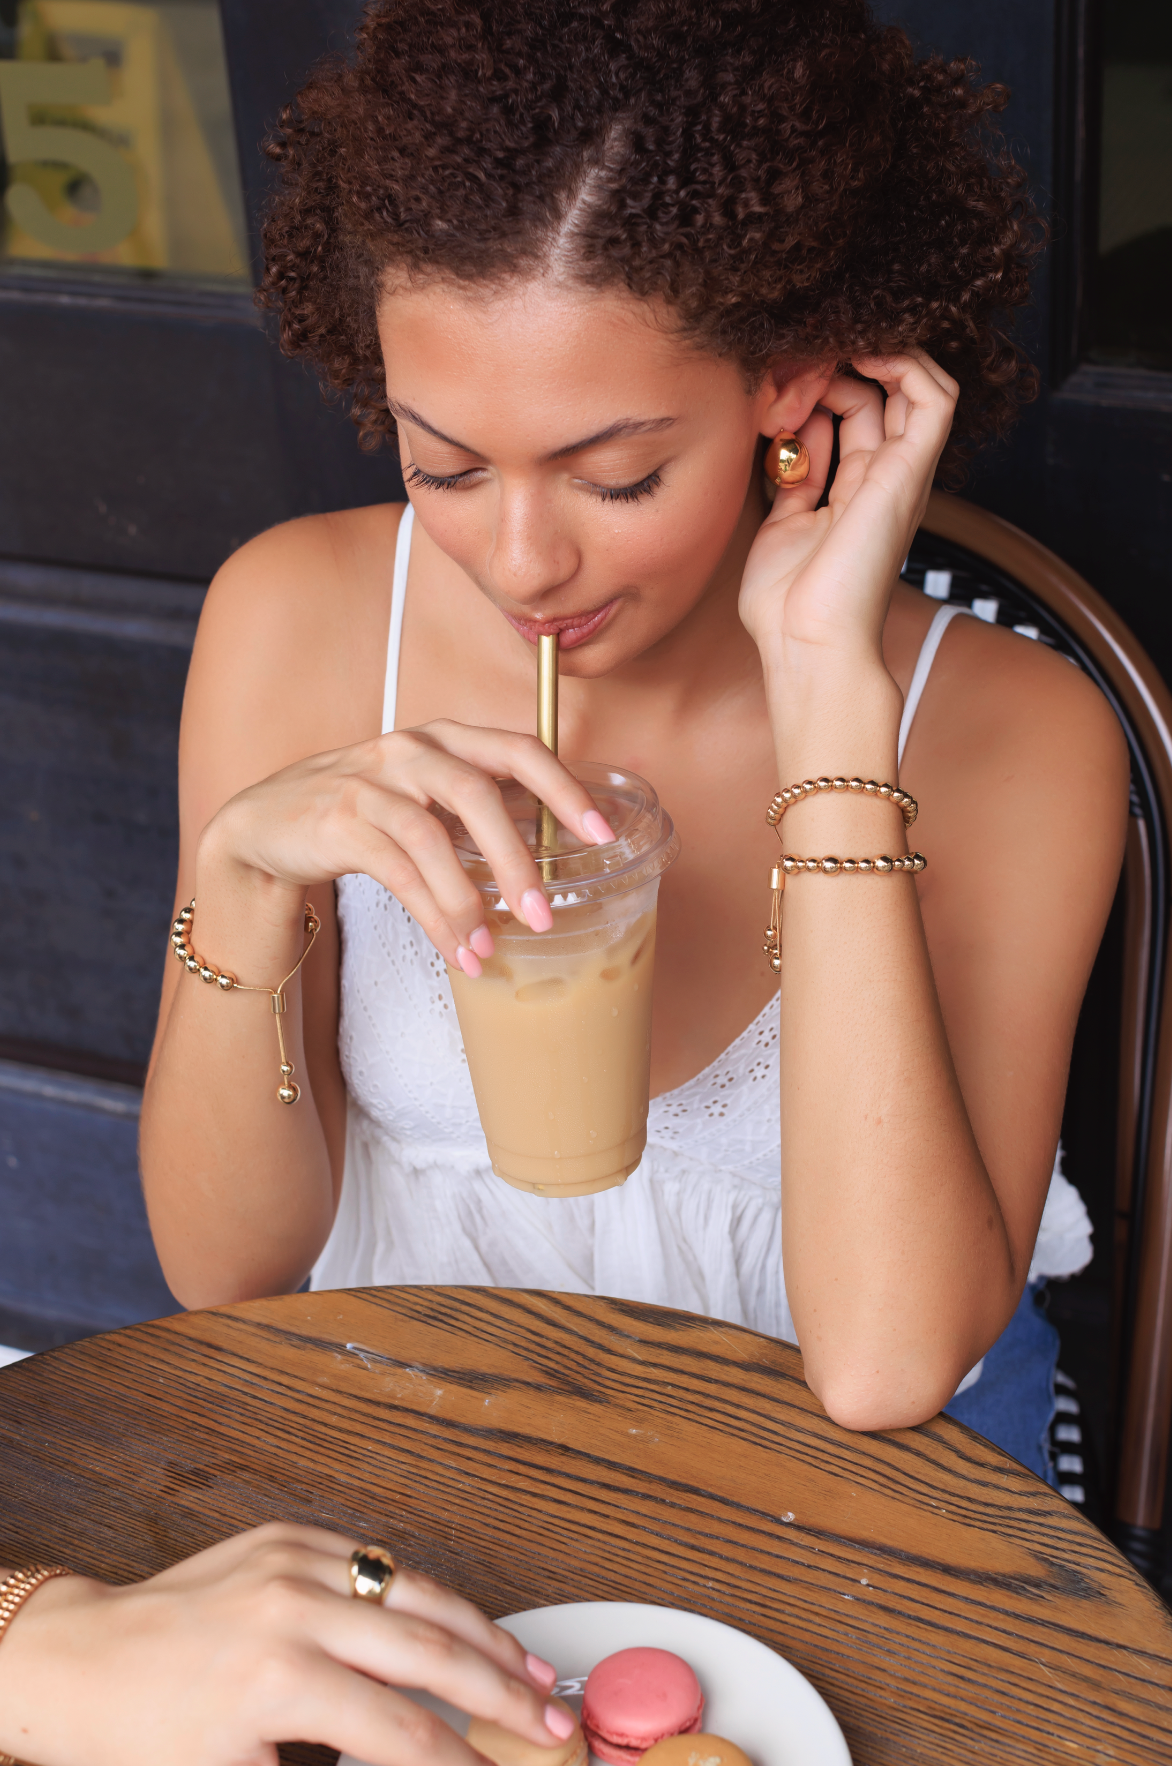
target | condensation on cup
[{"x": 557, "y": 1029}]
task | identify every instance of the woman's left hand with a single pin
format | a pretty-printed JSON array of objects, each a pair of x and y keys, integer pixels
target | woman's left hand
[
  {"x": 823, "y": 577},
  {"x": 253, "y": 1642}
]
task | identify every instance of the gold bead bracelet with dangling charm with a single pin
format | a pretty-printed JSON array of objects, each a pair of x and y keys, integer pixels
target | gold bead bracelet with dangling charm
[
  {"x": 181, "y": 930},
  {"x": 789, "y": 863}
]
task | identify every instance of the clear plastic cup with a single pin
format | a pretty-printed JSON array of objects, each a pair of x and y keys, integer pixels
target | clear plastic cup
[{"x": 557, "y": 1029}]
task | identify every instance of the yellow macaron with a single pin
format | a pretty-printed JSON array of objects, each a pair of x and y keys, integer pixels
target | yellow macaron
[
  {"x": 695, "y": 1750},
  {"x": 504, "y": 1748}
]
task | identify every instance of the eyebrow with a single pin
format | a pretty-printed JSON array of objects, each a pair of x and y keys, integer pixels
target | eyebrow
[{"x": 623, "y": 426}]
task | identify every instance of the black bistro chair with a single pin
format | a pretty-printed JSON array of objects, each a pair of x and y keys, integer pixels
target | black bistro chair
[{"x": 965, "y": 555}]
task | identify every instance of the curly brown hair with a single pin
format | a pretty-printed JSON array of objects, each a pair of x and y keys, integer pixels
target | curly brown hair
[{"x": 789, "y": 178}]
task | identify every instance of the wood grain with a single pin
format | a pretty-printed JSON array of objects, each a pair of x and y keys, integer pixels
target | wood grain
[{"x": 533, "y": 1448}]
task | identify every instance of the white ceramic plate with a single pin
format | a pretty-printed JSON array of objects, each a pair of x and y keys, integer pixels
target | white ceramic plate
[{"x": 752, "y": 1696}]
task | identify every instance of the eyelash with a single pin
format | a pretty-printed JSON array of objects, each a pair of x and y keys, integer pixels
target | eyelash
[
  {"x": 623, "y": 493},
  {"x": 429, "y": 481},
  {"x": 631, "y": 493}
]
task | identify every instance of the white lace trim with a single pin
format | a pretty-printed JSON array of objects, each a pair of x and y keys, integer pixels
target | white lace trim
[{"x": 1063, "y": 1245}]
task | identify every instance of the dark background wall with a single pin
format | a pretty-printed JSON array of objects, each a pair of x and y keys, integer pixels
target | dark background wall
[
  {"x": 149, "y": 430},
  {"x": 1089, "y": 471},
  {"x": 150, "y": 427}
]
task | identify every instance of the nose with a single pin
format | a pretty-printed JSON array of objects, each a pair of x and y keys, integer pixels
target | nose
[{"x": 531, "y": 552}]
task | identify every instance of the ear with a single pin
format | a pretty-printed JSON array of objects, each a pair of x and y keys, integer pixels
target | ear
[{"x": 787, "y": 396}]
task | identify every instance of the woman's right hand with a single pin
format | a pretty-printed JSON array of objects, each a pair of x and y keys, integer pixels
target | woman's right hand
[
  {"x": 254, "y": 1642},
  {"x": 368, "y": 808}
]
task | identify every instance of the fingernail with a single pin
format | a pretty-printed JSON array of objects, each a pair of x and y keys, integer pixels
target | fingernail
[
  {"x": 481, "y": 941},
  {"x": 558, "y": 1722},
  {"x": 538, "y": 913},
  {"x": 541, "y": 1671},
  {"x": 468, "y": 962},
  {"x": 598, "y": 828}
]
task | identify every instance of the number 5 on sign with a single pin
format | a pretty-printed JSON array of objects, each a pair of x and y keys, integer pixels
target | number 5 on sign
[{"x": 25, "y": 84}]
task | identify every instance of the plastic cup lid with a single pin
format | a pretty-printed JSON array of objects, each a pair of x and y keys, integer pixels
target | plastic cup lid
[{"x": 645, "y": 840}]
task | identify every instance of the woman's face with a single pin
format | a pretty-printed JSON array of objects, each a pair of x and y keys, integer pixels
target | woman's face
[{"x": 582, "y": 465}]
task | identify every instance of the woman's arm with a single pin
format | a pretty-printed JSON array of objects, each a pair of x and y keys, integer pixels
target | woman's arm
[
  {"x": 241, "y": 1189},
  {"x": 927, "y": 1024},
  {"x": 250, "y": 1643}
]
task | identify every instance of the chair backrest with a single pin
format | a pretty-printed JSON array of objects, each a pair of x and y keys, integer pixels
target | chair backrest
[{"x": 964, "y": 554}]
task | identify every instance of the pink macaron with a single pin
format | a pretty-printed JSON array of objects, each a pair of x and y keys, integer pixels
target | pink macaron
[{"x": 634, "y": 1699}]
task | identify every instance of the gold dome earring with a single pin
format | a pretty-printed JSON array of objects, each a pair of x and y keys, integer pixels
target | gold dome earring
[{"x": 787, "y": 461}]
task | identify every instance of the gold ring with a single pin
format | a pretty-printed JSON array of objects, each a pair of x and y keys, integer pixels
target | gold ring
[{"x": 372, "y": 1570}]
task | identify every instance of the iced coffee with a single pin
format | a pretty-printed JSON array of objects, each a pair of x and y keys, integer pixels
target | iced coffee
[{"x": 557, "y": 1029}]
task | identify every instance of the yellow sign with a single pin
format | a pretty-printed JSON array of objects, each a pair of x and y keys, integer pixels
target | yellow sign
[{"x": 110, "y": 160}]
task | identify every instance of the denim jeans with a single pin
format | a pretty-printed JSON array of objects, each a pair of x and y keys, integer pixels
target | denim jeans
[{"x": 1012, "y": 1404}]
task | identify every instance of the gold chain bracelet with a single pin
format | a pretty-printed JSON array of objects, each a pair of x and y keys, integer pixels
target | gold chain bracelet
[
  {"x": 14, "y": 1591},
  {"x": 181, "y": 930},
  {"x": 788, "y": 864}
]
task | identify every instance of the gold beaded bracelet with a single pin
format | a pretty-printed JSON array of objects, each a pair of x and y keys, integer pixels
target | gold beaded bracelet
[
  {"x": 882, "y": 866},
  {"x": 14, "y": 1591},
  {"x": 788, "y": 864},
  {"x": 181, "y": 930},
  {"x": 810, "y": 787}
]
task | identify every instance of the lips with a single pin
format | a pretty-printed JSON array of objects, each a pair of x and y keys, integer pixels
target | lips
[{"x": 573, "y": 629}]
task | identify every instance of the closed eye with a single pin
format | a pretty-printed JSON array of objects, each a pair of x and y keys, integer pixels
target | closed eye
[
  {"x": 618, "y": 493},
  {"x": 432, "y": 481},
  {"x": 630, "y": 493}
]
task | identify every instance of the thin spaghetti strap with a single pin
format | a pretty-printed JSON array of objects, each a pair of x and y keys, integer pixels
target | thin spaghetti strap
[
  {"x": 398, "y": 602},
  {"x": 940, "y": 624}
]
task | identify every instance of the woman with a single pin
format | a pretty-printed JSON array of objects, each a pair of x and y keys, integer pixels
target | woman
[
  {"x": 253, "y": 1642},
  {"x": 585, "y": 261}
]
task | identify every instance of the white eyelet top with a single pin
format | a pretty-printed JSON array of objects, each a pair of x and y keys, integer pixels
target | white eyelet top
[{"x": 697, "y": 1226}]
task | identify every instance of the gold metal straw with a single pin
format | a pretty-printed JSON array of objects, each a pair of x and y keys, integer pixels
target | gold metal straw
[{"x": 547, "y": 728}]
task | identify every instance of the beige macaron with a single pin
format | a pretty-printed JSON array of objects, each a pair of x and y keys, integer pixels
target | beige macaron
[
  {"x": 506, "y": 1749},
  {"x": 695, "y": 1750}
]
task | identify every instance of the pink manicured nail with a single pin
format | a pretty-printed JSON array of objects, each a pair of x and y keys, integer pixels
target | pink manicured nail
[
  {"x": 559, "y": 1723},
  {"x": 598, "y": 828},
  {"x": 541, "y": 1671},
  {"x": 468, "y": 962},
  {"x": 481, "y": 941},
  {"x": 538, "y": 913}
]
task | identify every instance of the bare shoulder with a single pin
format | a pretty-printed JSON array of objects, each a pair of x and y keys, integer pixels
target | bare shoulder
[
  {"x": 1006, "y": 709},
  {"x": 292, "y": 602},
  {"x": 1021, "y": 769},
  {"x": 290, "y": 655},
  {"x": 295, "y": 556},
  {"x": 291, "y": 648}
]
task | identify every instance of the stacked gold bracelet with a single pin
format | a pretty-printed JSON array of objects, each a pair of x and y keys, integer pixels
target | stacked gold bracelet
[
  {"x": 181, "y": 931},
  {"x": 14, "y": 1591},
  {"x": 789, "y": 863},
  {"x": 784, "y": 800},
  {"x": 830, "y": 867}
]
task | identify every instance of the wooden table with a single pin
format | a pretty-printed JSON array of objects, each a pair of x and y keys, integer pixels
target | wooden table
[{"x": 532, "y": 1448}]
